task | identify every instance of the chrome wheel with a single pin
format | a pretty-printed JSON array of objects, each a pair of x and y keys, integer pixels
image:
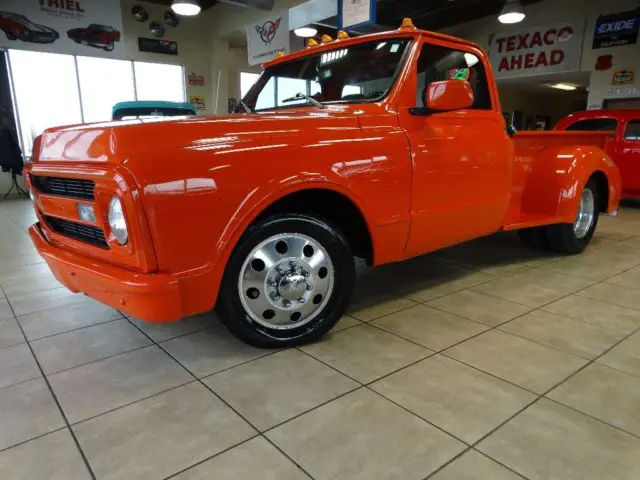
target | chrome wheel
[
  {"x": 586, "y": 214},
  {"x": 286, "y": 281}
]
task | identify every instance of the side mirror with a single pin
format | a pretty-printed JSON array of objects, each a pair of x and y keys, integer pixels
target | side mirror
[{"x": 449, "y": 95}]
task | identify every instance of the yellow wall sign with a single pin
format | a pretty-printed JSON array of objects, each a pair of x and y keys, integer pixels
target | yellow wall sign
[
  {"x": 198, "y": 101},
  {"x": 623, "y": 77}
]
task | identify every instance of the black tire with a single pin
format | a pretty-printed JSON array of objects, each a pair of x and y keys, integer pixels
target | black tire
[
  {"x": 109, "y": 47},
  {"x": 230, "y": 307},
  {"x": 562, "y": 238},
  {"x": 535, "y": 238},
  {"x": 10, "y": 36}
]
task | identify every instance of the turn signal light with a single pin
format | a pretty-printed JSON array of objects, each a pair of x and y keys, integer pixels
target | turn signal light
[
  {"x": 342, "y": 35},
  {"x": 280, "y": 54},
  {"x": 407, "y": 24},
  {"x": 312, "y": 43},
  {"x": 326, "y": 39}
]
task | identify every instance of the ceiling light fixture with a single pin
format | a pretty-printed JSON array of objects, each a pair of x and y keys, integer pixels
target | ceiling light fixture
[
  {"x": 306, "y": 32},
  {"x": 186, "y": 7},
  {"x": 512, "y": 12},
  {"x": 563, "y": 86}
]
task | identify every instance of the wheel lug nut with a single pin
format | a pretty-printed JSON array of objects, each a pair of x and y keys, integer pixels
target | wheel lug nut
[
  {"x": 305, "y": 273},
  {"x": 309, "y": 287},
  {"x": 301, "y": 300},
  {"x": 272, "y": 283},
  {"x": 274, "y": 296},
  {"x": 286, "y": 303}
]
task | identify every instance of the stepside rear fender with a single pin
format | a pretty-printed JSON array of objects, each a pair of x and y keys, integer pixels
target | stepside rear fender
[{"x": 550, "y": 180}]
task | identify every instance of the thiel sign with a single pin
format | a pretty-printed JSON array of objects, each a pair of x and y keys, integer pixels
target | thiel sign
[
  {"x": 537, "y": 51},
  {"x": 616, "y": 30}
]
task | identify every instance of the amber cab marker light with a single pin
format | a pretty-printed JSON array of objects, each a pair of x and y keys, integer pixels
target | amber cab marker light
[
  {"x": 407, "y": 24},
  {"x": 312, "y": 43},
  {"x": 342, "y": 35},
  {"x": 326, "y": 39},
  {"x": 280, "y": 54}
]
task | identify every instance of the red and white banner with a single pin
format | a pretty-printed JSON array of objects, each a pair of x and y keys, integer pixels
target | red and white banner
[{"x": 537, "y": 50}]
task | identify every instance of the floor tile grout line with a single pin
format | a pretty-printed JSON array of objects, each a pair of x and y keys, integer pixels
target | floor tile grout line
[
  {"x": 72, "y": 330},
  {"x": 53, "y": 394},
  {"x": 31, "y": 439},
  {"x": 511, "y": 469},
  {"x": 219, "y": 397},
  {"x": 128, "y": 404},
  {"x": 136, "y": 349}
]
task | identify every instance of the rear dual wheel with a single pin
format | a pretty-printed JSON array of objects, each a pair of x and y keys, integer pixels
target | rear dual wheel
[
  {"x": 566, "y": 237},
  {"x": 288, "y": 282}
]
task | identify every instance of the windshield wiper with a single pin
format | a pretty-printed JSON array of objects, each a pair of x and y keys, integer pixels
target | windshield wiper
[
  {"x": 246, "y": 107},
  {"x": 302, "y": 96}
]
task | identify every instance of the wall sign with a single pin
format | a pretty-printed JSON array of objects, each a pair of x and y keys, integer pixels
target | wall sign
[
  {"x": 198, "y": 101},
  {"x": 194, "y": 79},
  {"x": 604, "y": 62},
  {"x": 617, "y": 29},
  {"x": 80, "y": 27},
  {"x": 622, "y": 77},
  {"x": 623, "y": 92},
  {"x": 538, "y": 50},
  {"x": 267, "y": 37},
  {"x": 153, "y": 45},
  {"x": 355, "y": 13}
]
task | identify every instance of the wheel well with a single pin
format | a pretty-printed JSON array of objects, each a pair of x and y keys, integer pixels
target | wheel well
[
  {"x": 603, "y": 189},
  {"x": 333, "y": 207}
]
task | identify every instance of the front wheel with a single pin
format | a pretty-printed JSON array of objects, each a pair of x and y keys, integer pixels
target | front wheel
[
  {"x": 574, "y": 238},
  {"x": 287, "y": 283},
  {"x": 108, "y": 47}
]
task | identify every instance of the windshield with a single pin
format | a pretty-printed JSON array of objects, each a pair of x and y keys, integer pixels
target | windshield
[{"x": 359, "y": 73}]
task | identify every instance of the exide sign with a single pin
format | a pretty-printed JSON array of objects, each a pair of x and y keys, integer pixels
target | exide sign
[
  {"x": 536, "y": 51},
  {"x": 617, "y": 30}
]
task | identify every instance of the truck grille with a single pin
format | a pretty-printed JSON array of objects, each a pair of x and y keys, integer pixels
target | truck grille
[
  {"x": 64, "y": 187},
  {"x": 78, "y": 231}
]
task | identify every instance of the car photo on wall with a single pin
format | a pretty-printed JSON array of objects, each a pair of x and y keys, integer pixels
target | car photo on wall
[
  {"x": 95, "y": 35},
  {"x": 19, "y": 27}
]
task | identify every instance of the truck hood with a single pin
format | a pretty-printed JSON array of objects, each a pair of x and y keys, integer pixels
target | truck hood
[{"x": 114, "y": 142}]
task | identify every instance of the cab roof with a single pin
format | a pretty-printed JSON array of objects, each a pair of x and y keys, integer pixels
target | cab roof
[{"x": 407, "y": 30}]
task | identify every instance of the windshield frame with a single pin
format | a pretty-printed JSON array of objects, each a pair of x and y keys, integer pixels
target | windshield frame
[{"x": 264, "y": 78}]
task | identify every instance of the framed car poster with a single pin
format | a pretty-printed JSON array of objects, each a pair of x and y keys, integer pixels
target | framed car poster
[
  {"x": 77, "y": 27},
  {"x": 356, "y": 13}
]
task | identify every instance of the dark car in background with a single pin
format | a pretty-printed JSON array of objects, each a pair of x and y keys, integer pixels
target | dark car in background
[
  {"x": 19, "y": 27},
  {"x": 95, "y": 35}
]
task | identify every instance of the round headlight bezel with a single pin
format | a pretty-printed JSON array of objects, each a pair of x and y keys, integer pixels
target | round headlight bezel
[{"x": 117, "y": 221}]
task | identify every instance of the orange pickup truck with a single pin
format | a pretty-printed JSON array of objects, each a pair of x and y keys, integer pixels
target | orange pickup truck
[{"x": 382, "y": 147}]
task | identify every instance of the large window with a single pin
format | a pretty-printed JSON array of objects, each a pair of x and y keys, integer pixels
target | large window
[
  {"x": 53, "y": 90},
  {"x": 441, "y": 63},
  {"x": 595, "y": 125},
  {"x": 360, "y": 73},
  {"x": 632, "y": 132}
]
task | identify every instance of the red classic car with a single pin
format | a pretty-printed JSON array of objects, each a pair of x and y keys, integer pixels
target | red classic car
[
  {"x": 624, "y": 145},
  {"x": 98, "y": 36},
  {"x": 19, "y": 27}
]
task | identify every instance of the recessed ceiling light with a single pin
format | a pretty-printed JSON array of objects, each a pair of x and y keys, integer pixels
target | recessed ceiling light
[
  {"x": 563, "y": 86},
  {"x": 306, "y": 32},
  {"x": 187, "y": 8},
  {"x": 512, "y": 12}
]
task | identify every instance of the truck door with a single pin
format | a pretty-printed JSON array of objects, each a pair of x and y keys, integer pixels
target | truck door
[
  {"x": 629, "y": 157},
  {"x": 461, "y": 160}
]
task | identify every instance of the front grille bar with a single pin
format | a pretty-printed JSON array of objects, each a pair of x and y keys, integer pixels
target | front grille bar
[
  {"x": 64, "y": 187},
  {"x": 78, "y": 231}
]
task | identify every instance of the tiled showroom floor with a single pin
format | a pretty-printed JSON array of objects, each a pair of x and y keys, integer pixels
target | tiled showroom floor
[{"x": 485, "y": 361}]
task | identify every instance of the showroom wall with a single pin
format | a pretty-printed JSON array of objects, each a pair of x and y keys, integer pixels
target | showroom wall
[
  {"x": 551, "y": 11},
  {"x": 194, "y": 48}
]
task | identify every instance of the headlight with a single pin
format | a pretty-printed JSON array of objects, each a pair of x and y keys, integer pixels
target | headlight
[{"x": 117, "y": 222}]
